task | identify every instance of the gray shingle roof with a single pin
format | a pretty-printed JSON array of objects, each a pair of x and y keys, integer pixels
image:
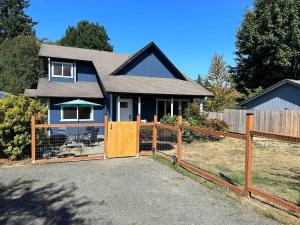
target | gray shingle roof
[
  {"x": 107, "y": 62},
  {"x": 31, "y": 92},
  {"x": 65, "y": 89},
  {"x": 151, "y": 85}
]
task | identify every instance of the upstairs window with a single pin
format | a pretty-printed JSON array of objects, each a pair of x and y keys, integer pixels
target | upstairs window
[{"x": 62, "y": 69}]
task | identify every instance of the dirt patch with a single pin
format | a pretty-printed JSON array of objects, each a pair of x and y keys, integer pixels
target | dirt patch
[{"x": 8, "y": 163}]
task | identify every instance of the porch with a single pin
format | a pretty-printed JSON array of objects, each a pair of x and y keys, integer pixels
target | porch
[{"x": 123, "y": 107}]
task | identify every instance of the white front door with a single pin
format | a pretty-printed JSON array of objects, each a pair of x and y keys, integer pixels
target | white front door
[{"x": 125, "y": 109}]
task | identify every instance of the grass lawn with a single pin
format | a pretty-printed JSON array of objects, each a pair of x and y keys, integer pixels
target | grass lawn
[{"x": 276, "y": 164}]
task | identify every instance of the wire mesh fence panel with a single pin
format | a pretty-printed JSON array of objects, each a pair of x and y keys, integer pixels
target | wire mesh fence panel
[
  {"x": 223, "y": 157},
  {"x": 146, "y": 137},
  {"x": 63, "y": 142},
  {"x": 167, "y": 141},
  {"x": 276, "y": 168}
]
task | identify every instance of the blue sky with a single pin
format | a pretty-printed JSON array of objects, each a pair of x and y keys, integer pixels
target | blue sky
[{"x": 188, "y": 32}]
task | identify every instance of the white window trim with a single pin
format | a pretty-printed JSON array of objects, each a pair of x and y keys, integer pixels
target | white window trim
[
  {"x": 172, "y": 105},
  {"x": 77, "y": 114},
  {"x": 63, "y": 63}
]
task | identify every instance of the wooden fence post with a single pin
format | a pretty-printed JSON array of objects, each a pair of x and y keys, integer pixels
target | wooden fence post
[
  {"x": 105, "y": 135},
  {"x": 33, "y": 138},
  {"x": 39, "y": 117},
  {"x": 154, "y": 135},
  {"x": 179, "y": 139},
  {"x": 138, "y": 121},
  {"x": 248, "y": 154}
]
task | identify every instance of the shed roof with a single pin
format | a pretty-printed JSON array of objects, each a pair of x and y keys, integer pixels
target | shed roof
[{"x": 269, "y": 89}]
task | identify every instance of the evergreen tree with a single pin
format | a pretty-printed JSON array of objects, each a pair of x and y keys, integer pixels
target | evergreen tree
[
  {"x": 87, "y": 35},
  {"x": 13, "y": 20},
  {"x": 20, "y": 66},
  {"x": 268, "y": 44}
]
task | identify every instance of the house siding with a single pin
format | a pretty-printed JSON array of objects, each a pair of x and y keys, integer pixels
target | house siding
[
  {"x": 55, "y": 111},
  {"x": 149, "y": 64},
  {"x": 85, "y": 71},
  {"x": 281, "y": 98}
]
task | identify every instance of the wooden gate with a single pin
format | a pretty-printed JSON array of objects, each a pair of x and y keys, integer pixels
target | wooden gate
[{"x": 122, "y": 139}]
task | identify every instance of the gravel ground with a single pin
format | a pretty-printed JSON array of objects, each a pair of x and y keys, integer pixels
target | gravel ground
[{"x": 116, "y": 191}]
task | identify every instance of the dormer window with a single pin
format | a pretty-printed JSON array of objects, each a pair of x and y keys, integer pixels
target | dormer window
[{"x": 62, "y": 69}]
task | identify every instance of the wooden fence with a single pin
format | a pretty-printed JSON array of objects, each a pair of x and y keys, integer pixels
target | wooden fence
[
  {"x": 248, "y": 189},
  {"x": 280, "y": 122}
]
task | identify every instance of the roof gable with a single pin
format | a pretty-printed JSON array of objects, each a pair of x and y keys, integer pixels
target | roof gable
[
  {"x": 278, "y": 85},
  {"x": 149, "y": 62},
  {"x": 107, "y": 64}
]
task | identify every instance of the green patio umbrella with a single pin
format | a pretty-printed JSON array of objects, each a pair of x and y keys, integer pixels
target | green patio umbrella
[{"x": 78, "y": 103}]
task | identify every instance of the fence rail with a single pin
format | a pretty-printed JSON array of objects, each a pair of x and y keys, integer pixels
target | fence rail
[
  {"x": 169, "y": 141},
  {"x": 67, "y": 142},
  {"x": 248, "y": 189},
  {"x": 280, "y": 122}
]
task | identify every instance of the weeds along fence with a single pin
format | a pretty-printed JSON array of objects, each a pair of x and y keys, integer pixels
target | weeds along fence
[
  {"x": 254, "y": 164},
  {"x": 280, "y": 122}
]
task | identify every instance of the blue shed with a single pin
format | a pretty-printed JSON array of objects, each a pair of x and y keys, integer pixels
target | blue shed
[{"x": 281, "y": 96}]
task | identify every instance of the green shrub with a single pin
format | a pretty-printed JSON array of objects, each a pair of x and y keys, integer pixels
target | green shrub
[
  {"x": 15, "y": 124},
  {"x": 193, "y": 117},
  {"x": 217, "y": 125},
  {"x": 168, "y": 119}
]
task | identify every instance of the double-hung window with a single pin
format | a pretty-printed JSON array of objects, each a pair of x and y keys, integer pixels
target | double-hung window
[
  {"x": 77, "y": 113},
  {"x": 62, "y": 69}
]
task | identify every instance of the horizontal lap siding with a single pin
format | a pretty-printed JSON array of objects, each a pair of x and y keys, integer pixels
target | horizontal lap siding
[
  {"x": 86, "y": 72},
  {"x": 281, "y": 98},
  {"x": 148, "y": 109},
  {"x": 55, "y": 112},
  {"x": 149, "y": 64}
]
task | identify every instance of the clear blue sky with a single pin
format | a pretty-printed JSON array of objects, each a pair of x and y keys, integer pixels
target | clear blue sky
[{"x": 188, "y": 32}]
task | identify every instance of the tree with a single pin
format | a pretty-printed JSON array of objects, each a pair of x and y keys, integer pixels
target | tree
[
  {"x": 268, "y": 44},
  {"x": 13, "y": 20},
  {"x": 249, "y": 93},
  {"x": 20, "y": 66},
  {"x": 87, "y": 35},
  {"x": 219, "y": 82},
  {"x": 15, "y": 114}
]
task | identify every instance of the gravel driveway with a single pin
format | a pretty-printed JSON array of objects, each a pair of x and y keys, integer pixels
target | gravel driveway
[{"x": 116, "y": 191}]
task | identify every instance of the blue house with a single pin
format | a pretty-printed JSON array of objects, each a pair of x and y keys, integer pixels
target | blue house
[
  {"x": 145, "y": 83},
  {"x": 281, "y": 96}
]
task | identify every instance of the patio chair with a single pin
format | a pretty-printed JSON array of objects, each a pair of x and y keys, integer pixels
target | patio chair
[
  {"x": 57, "y": 140},
  {"x": 90, "y": 137}
]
